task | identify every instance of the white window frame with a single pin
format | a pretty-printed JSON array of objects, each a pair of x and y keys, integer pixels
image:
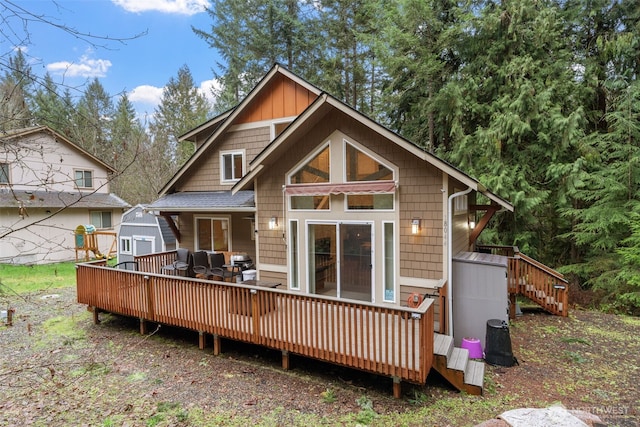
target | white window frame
[
  {"x": 126, "y": 246},
  {"x": 211, "y": 218},
  {"x": 242, "y": 153},
  {"x": 278, "y": 122},
  {"x": 384, "y": 263},
  {"x": 295, "y": 278}
]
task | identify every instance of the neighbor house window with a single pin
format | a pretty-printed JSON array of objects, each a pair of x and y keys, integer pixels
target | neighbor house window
[
  {"x": 84, "y": 179},
  {"x": 232, "y": 165},
  {"x": 4, "y": 173},
  {"x": 101, "y": 219},
  {"x": 212, "y": 234},
  {"x": 125, "y": 245}
]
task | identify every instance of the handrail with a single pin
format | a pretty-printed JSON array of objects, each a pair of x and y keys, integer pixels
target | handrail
[
  {"x": 387, "y": 340},
  {"x": 541, "y": 266}
]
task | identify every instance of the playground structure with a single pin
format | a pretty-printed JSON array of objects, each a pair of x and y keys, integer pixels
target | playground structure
[{"x": 87, "y": 240}]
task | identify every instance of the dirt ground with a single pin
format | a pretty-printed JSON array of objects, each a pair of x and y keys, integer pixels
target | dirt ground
[{"x": 59, "y": 369}]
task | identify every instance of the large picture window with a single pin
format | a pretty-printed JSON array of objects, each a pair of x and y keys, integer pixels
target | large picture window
[
  {"x": 314, "y": 171},
  {"x": 212, "y": 234}
]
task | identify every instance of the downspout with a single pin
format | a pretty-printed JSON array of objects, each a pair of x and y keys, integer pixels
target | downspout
[{"x": 450, "y": 255}]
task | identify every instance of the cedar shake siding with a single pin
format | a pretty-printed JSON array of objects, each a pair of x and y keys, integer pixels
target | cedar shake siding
[
  {"x": 205, "y": 174},
  {"x": 419, "y": 195}
]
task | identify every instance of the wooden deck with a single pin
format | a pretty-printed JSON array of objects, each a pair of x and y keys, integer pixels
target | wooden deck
[{"x": 392, "y": 341}]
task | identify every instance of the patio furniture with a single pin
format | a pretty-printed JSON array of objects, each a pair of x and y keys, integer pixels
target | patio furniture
[
  {"x": 180, "y": 265},
  {"x": 200, "y": 263}
]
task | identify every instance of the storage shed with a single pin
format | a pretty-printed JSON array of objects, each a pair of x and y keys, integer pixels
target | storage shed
[
  {"x": 143, "y": 233},
  {"x": 480, "y": 293}
]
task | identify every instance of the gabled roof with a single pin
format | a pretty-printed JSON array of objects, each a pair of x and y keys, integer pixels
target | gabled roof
[
  {"x": 233, "y": 114},
  {"x": 318, "y": 109},
  {"x": 207, "y": 127},
  {"x": 20, "y": 133}
]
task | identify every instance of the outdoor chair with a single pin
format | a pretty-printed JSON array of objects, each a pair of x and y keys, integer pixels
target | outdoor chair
[
  {"x": 216, "y": 261},
  {"x": 181, "y": 264},
  {"x": 200, "y": 263}
]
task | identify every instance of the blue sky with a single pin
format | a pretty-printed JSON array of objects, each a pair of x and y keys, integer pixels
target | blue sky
[{"x": 141, "y": 66}]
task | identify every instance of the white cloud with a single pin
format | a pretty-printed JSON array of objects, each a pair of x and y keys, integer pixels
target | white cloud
[
  {"x": 181, "y": 7},
  {"x": 86, "y": 67},
  {"x": 146, "y": 94},
  {"x": 205, "y": 89}
]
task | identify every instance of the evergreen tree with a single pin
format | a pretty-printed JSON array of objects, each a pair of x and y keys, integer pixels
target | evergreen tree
[
  {"x": 15, "y": 87},
  {"x": 182, "y": 108},
  {"x": 519, "y": 114},
  {"x": 91, "y": 120},
  {"x": 50, "y": 109}
]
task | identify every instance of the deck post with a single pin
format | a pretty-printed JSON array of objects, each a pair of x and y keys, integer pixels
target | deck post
[
  {"x": 285, "y": 360},
  {"x": 202, "y": 340},
  {"x": 216, "y": 344},
  {"x": 397, "y": 387},
  {"x": 143, "y": 326},
  {"x": 512, "y": 306},
  {"x": 96, "y": 317}
]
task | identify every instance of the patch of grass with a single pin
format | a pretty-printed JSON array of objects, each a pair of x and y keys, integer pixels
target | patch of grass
[
  {"x": 30, "y": 278},
  {"x": 63, "y": 329},
  {"x": 328, "y": 396}
]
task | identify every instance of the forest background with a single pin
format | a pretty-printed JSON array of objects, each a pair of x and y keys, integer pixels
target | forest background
[{"x": 538, "y": 99}]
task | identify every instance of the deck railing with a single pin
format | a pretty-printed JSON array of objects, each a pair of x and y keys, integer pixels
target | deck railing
[
  {"x": 541, "y": 284},
  {"x": 392, "y": 341}
]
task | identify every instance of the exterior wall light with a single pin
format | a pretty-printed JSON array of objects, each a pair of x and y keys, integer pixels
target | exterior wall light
[
  {"x": 415, "y": 226},
  {"x": 273, "y": 223},
  {"x": 472, "y": 225}
]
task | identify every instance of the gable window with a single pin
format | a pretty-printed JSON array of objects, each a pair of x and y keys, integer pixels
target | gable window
[
  {"x": 278, "y": 128},
  {"x": 84, "y": 179},
  {"x": 4, "y": 173},
  {"x": 232, "y": 165},
  {"x": 362, "y": 167},
  {"x": 101, "y": 219},
  {"x": 315, "y": 170},
  {"x": 212, "y": 234}
]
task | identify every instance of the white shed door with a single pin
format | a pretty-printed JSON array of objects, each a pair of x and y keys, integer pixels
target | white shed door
[{"x": 144, "y": 245}]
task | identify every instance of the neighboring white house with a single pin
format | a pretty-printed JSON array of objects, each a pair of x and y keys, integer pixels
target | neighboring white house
[{"x": 48, "y": 187}]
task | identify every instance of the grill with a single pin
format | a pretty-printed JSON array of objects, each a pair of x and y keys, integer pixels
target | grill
[{"x": 243, "y": 260}]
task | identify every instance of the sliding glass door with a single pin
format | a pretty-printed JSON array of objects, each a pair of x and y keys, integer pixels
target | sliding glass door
[{"x": 341, "y": 259}]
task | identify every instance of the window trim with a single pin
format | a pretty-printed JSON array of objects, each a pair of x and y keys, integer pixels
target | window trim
[
  {"x": 243, "y": 153},
  {"x": 366, "y": 151},
  {"x": 294, "y": 258},
  {"x": 196, "y": 238},
  {"x": 101, "y": 212},
  {"x": 5, "y": 171},
  {"x": 84, "y": 171},
  {"x": 393, "y": 251},
  {"x": 123, "y": 245}
]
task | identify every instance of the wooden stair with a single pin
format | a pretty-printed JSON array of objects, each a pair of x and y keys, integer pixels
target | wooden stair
[{"x": 455, "y": 366}]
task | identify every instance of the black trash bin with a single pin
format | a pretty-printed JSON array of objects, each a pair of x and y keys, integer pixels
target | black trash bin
[{"x": 498, "y": 344}]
